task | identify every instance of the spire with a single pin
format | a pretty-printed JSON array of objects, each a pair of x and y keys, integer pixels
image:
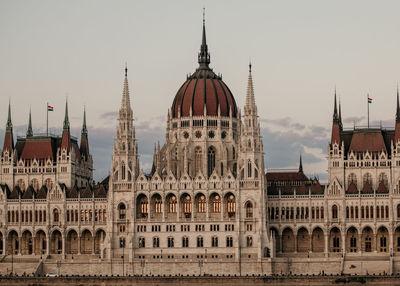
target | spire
[
  {"x": 66, "y": 120},
  {"x": 9, "y": 123},
  {"x": 204, "y": 56},
  {"x": 8, "y": 138},
  {"x": 397, "y": 126},
  {"x": 84, "y": 147},
  {"x": 29, "y": 132},
  {"x": 250, "y": 100},
  {"x": 335, "y": 112},
  {"x": 84, "y": 128},
  {"x": 300, "y": 165},
  {"x": 125, "y": 94}
]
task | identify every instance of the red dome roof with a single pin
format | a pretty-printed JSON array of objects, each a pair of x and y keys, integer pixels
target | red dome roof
[{"x": 204, "y": 89}]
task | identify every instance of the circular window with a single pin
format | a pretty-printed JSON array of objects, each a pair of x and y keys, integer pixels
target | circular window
[
  {"x": 198, "y": 134},
  {"x": 185, "y": 135},
  {"x": 211, "y": 134},
  {"x": 223, "y": 134}
]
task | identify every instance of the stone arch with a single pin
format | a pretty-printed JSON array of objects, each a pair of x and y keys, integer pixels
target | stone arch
[
  {"x": 367, "y": 239},
  {"x": 382, "y": 237},
  {"x": 171, "y": 206},
  {"x": 56, "y": 242},
  {"x": 249, "y": 208},
  {"x": 318, "y": 241},
  {"x": 352, "y": 240},
  {"x": 215, "y": 206},
  {"x": 142, "y": 206},
  {"x": 288, "y": 241},
  {"x": 186, "y": 205},
  {"x": 303, "y": 240},
  {"x": 13, "y": 242},
  {"x": 156, "y": 206},
  {"x": 230, "y": 205},
  {"x": 26, "y": 243},
  {"x": 200, "y": 201},
  {"x": 335, "y": 244},
  {"x": 72, "y": 243},
  {"x": 86, "y": 242},
  {"x": 40, "y": 242}
]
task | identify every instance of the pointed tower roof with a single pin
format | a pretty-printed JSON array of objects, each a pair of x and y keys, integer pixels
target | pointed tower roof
[
  {"x": 126, "y": 104},
  {"x": 250, "y": 99},
  {"x": 65, "y": 140},
  {"x": 29, "y": 132},
  {"x": 84, "y": 147},
  {"x": 204, "y": 56},
  {"x": 300, "y": 165},
  {"x": 397, "y": 126},
  {"x": 340, "y": 116},
  {"x": 335, "y": 125},
  {"x": 8, "y": 138}
]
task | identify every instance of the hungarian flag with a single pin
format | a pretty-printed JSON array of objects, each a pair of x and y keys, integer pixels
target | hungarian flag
[
  {"x": 369, "y": 100},
  {"x": 50, "y": 108}
]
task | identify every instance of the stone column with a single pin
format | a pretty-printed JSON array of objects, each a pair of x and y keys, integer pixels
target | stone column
[
  {"x": 79, "y": 244},
  {"x": 281, "y": 243},
  {"x": 376, "y": 242},
  {"x": 163, "y": 208},
  {"x": 295, "y": 243},
  {"x": 344, "y": 246},
  {"x": 5, "y": 244},
  {"x": 34, "y": 245},
  {"x": 326, "y": 249},
  {"x": 20, "y": 245},
  {"x": 360, "y": 240},
  {"x": 391, "y": 244},
  {"x": 63, "y": 245},
  {"x": 311, "y": 243},
  {"x": 48, "y": 244},
  {"x": 94, "y": 243}
]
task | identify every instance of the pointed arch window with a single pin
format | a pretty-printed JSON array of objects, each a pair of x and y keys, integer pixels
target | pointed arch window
[
  {"x": 123, "y": 171},
  {"x": 211, "y": 160},
  {"x": 249, "y": 169},
  {"x": 249, "y": 210}
]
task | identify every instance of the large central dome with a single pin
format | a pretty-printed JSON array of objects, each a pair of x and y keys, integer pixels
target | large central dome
[{"x": 204, "y": 90}]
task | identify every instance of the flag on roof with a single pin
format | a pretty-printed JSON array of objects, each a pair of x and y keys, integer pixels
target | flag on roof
[
  {"x": 50, "y": 108},
  {"x": 369, "y": 100}
]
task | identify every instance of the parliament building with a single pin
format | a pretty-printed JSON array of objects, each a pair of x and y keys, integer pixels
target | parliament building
[{"x": 208, "y": 206}]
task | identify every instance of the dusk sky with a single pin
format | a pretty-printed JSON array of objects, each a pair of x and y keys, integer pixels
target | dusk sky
[{"x": 300, "y": 50}]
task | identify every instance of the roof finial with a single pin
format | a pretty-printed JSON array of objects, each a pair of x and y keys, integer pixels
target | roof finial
[
  {"x": 204, "y": 16},
  {"x": 335, "y": 113},
  {"x": 249, "y": 66},
  {"x": 398, "y": 106},
  {"x": 126, "y": 69},
  {"x": 84, "y": 128}
]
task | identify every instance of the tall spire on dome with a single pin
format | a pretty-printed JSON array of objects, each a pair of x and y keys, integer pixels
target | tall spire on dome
[
  {"x": 29, "y": 132},
  {"x": 204, "y": 56},
  {"x": 398, "y": 107}
]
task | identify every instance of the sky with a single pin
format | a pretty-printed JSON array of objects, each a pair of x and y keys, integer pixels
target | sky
[{"x": 299, "y": 50}]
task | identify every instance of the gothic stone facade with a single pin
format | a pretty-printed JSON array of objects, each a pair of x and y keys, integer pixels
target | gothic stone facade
[{"x": 207, "y": 206}]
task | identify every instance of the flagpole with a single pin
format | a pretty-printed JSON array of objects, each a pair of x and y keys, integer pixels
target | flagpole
[
  {"x": 368, "y": 107},
  {"x": 47, "y": 119}
]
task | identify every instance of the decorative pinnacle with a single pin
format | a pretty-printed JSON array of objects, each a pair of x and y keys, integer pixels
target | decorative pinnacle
[
  {"x": 249, "y": 66},
  {"x": 29, "y": 132},
  {"x": 300, "y": 164},
  {"x": 204, "y": 56},
  {"x": 126, "y": 69},
  {"x": 335, "y": 112},
  {"x": 398, "y": 106}
]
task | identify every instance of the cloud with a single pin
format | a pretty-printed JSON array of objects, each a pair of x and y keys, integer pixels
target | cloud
[
  {"x": 353, "y": 119},
  {"x": 109, "y": 115},
  {"x": 284, "y": 122}
]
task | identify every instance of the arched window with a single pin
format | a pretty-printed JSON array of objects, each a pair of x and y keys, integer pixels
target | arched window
[
  {"x": 249, "y": 169},
  {"x": 367, "y": 179},
  {"x": 231, "y": 205},
  {"x": 384, "y": 179},
  {"x": 56, "y": 216},
  {"x": 122, "y": 211},
  {"x": 216, "y": 204},
  {"x": 123, "y": 171},
  {"x": 249, "y": 210},
  {"x": 172, "y": 204},
  {"x": 197, "y": 160},
  {"x": 352, "y": 178},
  {"x": 201, "y": 204},
  {"x": 210, "y": 160},
  {"x": 187, "y": 204},
  {"x": 35, "y": 184}
]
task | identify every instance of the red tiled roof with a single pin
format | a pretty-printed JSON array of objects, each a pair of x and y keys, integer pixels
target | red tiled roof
[
  {"x": 8, "y": 141},
  {"x": 335, "y": 137},
  {"x": 65, "y": 139},
  {"x": 42, "y": 193},
  {"x": 39, "y": 149},
  {"x": 367, "y": 141},
  {"x": 29, "y": 193},
  {"x": 286, "y": 176}
]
